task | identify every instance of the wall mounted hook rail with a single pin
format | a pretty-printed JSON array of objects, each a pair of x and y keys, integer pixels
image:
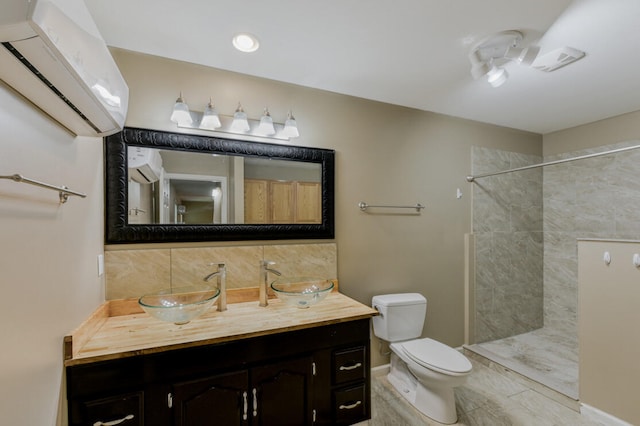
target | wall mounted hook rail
[
  {"x": 364, "y": 206},
  {"x": 63, "y": 191}
]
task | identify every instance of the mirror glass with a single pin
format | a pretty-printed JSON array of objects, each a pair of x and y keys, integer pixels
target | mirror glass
[{"x": 178, "y": 187}]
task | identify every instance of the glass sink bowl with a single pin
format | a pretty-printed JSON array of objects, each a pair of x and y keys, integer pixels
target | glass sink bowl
[
  {"x": 301, "y": 292},
  {"x": 181, "y": 304}
]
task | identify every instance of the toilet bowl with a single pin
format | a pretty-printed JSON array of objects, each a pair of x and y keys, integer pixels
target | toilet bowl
[
  {"x": 424, "y": 371},
  {"x": 434, "y": 376}
]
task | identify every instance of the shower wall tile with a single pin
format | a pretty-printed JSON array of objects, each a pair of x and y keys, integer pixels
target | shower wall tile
[
  {"x": 507, "y": 225},
  {"x": 515, "y": 277},
  {"x": 591, "y": 198}
]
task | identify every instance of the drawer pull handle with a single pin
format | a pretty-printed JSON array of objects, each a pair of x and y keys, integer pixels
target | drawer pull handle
[
  {"x": 114, "y": 422},
  {"x": 351, "y": 406},
  {"x": 350, "y": 367},
  {"x": 244, "y": 412},
  {"x": 255, "y": 402}
]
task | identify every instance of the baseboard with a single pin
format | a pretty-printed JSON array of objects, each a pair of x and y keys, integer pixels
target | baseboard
[
  {"x": 601, "y": 416},
  {"x": 380, "y": 370}
]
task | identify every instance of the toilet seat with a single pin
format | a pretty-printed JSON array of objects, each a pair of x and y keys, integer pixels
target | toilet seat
[{"x": 436, "y": 356}]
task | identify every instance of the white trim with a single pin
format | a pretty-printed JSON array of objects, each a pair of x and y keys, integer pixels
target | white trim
[
  {"x": 380, "y": 370},
  {"x": 599, "y": 415}
]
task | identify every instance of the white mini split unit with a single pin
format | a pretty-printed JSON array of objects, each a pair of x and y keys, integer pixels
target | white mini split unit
[
  {"x": 53, "y": 54},
  {"x": 145, "y": 164}
]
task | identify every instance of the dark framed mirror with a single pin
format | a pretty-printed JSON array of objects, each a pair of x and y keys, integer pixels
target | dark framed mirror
[{"x": 176, "y": 187}]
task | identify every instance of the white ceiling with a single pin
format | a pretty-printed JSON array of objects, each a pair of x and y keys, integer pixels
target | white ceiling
[{"x": 406, "y": 52}]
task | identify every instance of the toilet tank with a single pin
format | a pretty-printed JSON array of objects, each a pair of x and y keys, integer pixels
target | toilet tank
[{"x": 401, "y": 316}]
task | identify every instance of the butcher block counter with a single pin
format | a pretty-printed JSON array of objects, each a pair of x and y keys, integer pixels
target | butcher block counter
[
  {"x": 112, "y": 333},
  {"x": 123, "y": 364}
]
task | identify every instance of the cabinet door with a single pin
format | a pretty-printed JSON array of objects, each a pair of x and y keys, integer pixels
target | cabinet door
[
  {"x": 308, "y": 202},
  {"x": 281, "y": 393},
  {"x": 256, "y": 195},
  {"x": 217, "y": 400},
  {"x": 282, "y": 202}
]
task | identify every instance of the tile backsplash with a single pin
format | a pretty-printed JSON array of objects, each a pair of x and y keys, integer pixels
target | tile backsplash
[{"x": 132, "y": 273}]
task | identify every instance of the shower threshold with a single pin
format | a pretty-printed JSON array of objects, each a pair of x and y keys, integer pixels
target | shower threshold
[{"x": 546, "y": 356}]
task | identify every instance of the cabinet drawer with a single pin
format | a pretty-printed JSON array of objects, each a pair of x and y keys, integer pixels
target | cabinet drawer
[
  {"x": 350, "y": 405},
  {"x": 126, "y": 408},
  {"x": 349, "y": 365}
]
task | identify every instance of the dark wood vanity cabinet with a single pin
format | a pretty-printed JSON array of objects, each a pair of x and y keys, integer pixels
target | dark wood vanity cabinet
[{"x": 314, "y": 376}]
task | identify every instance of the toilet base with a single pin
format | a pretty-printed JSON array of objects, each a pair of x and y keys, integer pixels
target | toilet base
[{"x": 437, "y": 402}]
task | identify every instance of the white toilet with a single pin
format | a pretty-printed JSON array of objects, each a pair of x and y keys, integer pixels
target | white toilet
[{"x": 424, "y": 371}]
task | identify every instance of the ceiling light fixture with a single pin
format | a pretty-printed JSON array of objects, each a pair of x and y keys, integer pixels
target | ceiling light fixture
[
  {"x": 496, "y": 77},
  {"x": 238, "y": 123},
  {"x": 245, "y": 42},
  {"x": 488, "y": 56},
  {"x": 180, "y": 112}
]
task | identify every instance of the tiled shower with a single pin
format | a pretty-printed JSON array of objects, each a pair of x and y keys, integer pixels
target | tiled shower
[{"x": 526, "y": 225}]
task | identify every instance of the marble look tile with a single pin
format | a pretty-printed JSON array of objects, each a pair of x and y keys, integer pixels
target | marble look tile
[
  {"x": 190, "y": 265},
  {"x": 304, "y": 260},
  {"x": 133, "y": 273},
  {"x": 548, "y": 355},
  {"x": 492, "y": 396}
]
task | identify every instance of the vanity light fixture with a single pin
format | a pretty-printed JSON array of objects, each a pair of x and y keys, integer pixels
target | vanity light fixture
[
  {"x": 180, "y": 112},
  {"x": 290, "y": 126},
  {"x": 266, "y": 124},
  {"x": 240, "y": 123},
  {"x": 245, "y": 42},
  {"x": 210, "y": 119}
]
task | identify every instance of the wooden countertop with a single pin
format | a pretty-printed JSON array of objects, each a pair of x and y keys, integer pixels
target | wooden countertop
[{"x": 111, "y": 333}]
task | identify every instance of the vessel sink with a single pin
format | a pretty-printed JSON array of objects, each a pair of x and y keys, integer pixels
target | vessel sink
[
  {"x": 301, "y": 292},
  {"x": 181, "y": 304}
]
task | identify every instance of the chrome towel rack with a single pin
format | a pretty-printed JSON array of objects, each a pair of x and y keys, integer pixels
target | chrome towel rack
[
  {"x": 364, "y": 206},
  {"x": 63, "y": 191}
]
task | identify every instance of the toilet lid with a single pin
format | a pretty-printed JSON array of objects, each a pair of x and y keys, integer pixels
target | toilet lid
[{"x": 433, "y": 354}]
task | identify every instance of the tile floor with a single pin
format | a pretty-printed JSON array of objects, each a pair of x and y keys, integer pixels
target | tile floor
[
  {"x": 492, "y": 396},
  {"x": 547, "y": 355}
]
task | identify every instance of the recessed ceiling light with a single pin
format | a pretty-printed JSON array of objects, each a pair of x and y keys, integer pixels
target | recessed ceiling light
[{"x": 246, "y": 42}]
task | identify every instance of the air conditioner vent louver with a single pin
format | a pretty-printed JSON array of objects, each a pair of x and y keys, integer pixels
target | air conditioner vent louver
[
  {"x": 557, "y": 59},
  {"x": 53, "y": 55},
  {"x": 47, "y": 83}
]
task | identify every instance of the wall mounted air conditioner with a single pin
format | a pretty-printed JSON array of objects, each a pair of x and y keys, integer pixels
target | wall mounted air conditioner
[
  {"x": 145, "y": 164},
  {"x": 54, "y": 56}
]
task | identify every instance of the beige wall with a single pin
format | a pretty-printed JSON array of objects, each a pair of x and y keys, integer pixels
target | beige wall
[
  {"x": 384, "y": 155},
  {"x": 609, "y": 297},
  {"x": 604, "y": 132},
  {"x": 48, "y": 256}
]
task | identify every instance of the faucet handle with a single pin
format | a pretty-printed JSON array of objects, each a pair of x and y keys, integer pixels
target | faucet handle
[
  {"x": 219, "y": 264},
  {"x": 268, "y": 262}
]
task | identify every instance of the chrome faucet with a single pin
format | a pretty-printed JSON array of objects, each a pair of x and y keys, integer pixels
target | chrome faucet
[
  {"x": 221, "y": 275},
  {"x": 264, "y": 285}
]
